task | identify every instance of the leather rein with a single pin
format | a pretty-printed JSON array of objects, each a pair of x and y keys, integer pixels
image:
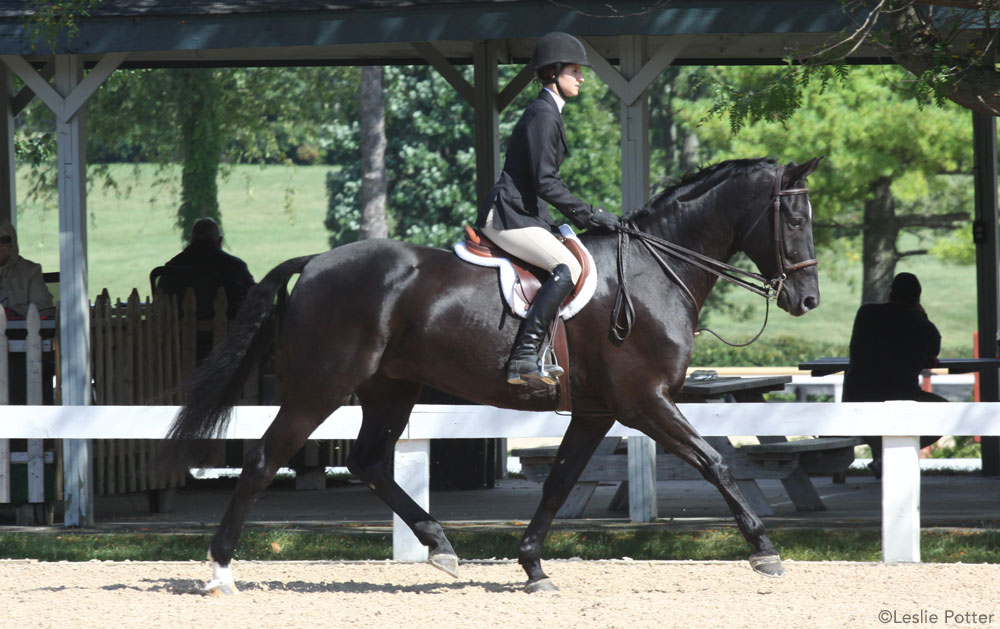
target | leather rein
[{"x": 623, "y": 312}]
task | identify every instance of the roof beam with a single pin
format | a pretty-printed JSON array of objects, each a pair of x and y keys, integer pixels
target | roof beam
[
  {"x": 64, "y": 107},
  {"x": 445, "y": 69}
]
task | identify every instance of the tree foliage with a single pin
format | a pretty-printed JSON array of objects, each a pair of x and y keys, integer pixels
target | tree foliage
[
  {"x": 948, "y": 47},
  {"x": 430, "y": 159},
  {"x": 207, "y": 119},
  {"x": 876, "y": 142},
  {"x": 48, "y": 20}
]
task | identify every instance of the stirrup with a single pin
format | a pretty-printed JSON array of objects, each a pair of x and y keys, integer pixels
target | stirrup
[{"x": 546, "y": 372}]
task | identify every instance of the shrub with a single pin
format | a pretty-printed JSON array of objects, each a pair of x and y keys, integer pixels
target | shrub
[
  {"x": 307, "y": 154},
  {"x": 782, "y": 351}
]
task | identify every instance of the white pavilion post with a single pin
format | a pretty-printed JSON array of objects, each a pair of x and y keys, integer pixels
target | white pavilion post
[{"x": 74, "y": 303}]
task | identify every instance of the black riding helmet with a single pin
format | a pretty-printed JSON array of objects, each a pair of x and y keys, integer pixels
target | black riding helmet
[{"x": 558, "y": 50}]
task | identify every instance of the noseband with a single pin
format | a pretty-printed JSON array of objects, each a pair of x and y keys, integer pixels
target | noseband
[{"x": 753, "y": 282}]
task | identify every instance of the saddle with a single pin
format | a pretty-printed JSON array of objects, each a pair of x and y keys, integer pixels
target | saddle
[{"x": 520, "y": 282}]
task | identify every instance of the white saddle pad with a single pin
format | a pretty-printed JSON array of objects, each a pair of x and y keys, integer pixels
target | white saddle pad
[{"x": 509, "y": 278}]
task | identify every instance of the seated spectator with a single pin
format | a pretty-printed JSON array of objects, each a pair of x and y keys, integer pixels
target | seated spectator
[
  {"x": 21, "y": 280},
  {"x": 21, "y": 284},
  {"x": 204, "y": 266},
  {"x": 890, "y": 345}
]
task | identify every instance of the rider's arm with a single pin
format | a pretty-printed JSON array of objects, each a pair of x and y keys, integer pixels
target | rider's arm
[{"x": 545, "y": 150}]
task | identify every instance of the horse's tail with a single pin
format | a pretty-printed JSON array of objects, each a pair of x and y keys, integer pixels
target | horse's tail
[{"x": 216, "y": 384}]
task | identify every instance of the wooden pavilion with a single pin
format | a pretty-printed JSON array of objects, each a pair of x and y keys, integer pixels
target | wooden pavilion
[{"x": 630, "y": 42}]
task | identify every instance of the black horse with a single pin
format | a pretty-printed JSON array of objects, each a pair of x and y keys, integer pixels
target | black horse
[{"x": 381, "y": 319}]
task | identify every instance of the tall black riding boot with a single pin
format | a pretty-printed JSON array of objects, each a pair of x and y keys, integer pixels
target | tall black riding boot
[{"x": 523, "y": 361}]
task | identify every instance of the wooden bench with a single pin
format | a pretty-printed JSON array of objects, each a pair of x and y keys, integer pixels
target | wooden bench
[{"x": 791, "y": 462}]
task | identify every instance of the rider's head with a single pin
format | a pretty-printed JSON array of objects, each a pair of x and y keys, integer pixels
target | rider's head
[{"x": 557, "y": 60}]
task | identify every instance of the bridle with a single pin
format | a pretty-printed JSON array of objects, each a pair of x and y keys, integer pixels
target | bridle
[
  {"x": 623, "y": 313},
  {"x": 783, "y": 266}
]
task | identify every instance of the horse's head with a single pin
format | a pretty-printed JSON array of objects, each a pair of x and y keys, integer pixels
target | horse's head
[{"x": 779, "y": 239}]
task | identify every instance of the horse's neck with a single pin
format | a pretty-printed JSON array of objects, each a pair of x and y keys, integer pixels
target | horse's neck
[{"x": 710, "y": 229}]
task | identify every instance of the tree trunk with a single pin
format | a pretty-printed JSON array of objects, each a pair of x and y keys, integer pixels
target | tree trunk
[
  {"x": 878, "y": 249},
  {"x": 200, "y": 110},
  {"x": 373, "y": 180}
]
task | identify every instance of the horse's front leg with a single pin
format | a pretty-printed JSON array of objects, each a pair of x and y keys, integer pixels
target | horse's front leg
[
  {"x": 578, "y": 445},
  {"x": 658, "y": 417}
]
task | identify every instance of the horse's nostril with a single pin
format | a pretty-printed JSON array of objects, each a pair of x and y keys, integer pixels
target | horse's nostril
[{"x": 810, "y": 302}]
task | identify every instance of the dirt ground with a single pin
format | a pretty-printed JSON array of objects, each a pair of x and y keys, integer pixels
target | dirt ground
[{"x": 618, "y": 593}]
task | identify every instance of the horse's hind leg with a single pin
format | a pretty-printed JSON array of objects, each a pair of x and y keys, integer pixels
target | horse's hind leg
[
  {"x": 577, "y": 446},
  {"x": 286, "y": 434},
  {"x": 660, "y": 418},
  {"x": 386, "y": 406}
]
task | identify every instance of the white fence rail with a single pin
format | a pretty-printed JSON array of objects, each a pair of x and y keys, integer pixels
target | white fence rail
[{"x": 900, "y": 423}]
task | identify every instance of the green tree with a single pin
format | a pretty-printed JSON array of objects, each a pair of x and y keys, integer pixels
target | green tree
[
  {"x": 890, "y": 167},
  {"x": 200, "y": 116},
  {"x": 206, "y": 119},
  {"x": 430, "y": 160},
  {"x": 948, "y": 48}
]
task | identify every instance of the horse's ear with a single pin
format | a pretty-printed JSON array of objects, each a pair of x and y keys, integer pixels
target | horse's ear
[{"x": 795, "y": 173}]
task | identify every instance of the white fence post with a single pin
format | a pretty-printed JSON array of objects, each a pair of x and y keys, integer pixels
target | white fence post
[
  {"x": 412, "y": 471},
  {"x": 4, "y": 401},
  {"x": 900, "y": 499},
  {"x": 641, "y": 479},
  {"x": 33, "y": 375}
]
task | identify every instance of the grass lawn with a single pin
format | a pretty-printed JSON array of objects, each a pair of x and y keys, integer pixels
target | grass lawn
[
  {"x": 275, "y": 543},
  {"x": 274, "y": 213},
  {"x": 949, "y": 296},
  {"x": 269, "y": 215}
]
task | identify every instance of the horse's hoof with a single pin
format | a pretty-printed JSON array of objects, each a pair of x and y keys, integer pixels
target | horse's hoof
[
  {"x": 219, "y": 588},
  {"x": 541, "y": 585},
  {"x": 448, "y": 563},
  {"x": 768, "y": 565}
]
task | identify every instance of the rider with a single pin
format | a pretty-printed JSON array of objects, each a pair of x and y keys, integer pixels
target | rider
[{"x": 515, "y": 214}]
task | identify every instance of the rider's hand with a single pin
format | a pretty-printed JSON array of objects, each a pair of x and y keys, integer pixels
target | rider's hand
[{"x": 603, "y": 219}]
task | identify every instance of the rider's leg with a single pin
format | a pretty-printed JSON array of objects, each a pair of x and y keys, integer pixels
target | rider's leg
[
  {"x": 537, "y": 246},
  {"x": 540, "y": 247},
  {"x": 523, "y": 361}
]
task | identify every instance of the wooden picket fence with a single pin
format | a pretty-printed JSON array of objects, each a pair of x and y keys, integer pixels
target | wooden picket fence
[{"x": 142, "y": 352}]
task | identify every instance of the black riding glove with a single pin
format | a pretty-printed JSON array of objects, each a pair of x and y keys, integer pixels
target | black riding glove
[{"x": 603, "y": 219}]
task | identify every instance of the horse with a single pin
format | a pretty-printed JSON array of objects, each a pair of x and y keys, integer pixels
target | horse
[{"x": 381, "y": 319}]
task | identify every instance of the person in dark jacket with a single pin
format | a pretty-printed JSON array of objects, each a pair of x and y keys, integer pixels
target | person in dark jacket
[
  {"x": 515, "y": 214},
  {"x": 204, "y": 266},
  {"x": 891, "y": 344}
]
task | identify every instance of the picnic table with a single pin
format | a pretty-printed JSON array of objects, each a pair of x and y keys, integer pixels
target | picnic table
[
  {"x": 827, "y": 366},
  {"x": 791, "y": 462},
  {"x": 990, "y": 456}
]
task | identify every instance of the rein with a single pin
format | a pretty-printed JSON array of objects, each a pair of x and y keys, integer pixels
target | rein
[{"x": 623, "y": 312}]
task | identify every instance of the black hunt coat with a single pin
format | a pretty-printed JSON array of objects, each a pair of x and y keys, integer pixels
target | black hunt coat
[{"x": 530, "y": 179}]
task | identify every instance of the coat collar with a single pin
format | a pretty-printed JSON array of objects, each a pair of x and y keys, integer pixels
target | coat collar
[
  {"x": 556, "y": 99},
  {"x": 546, "y": 97}
]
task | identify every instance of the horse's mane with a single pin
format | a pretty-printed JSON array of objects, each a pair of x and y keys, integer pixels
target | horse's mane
[{"x": 735, "y": 166}]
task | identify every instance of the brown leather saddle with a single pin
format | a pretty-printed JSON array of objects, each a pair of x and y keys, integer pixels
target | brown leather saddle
[
  {"x": 529, "y": 276},
  {"x": 529, "y": 281}
]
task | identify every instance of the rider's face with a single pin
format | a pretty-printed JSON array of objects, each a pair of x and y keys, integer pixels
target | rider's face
[{"x": 570, "y": 79}]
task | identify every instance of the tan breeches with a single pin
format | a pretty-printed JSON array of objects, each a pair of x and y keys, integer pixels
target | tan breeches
[{"x": 535, "y": 245}]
